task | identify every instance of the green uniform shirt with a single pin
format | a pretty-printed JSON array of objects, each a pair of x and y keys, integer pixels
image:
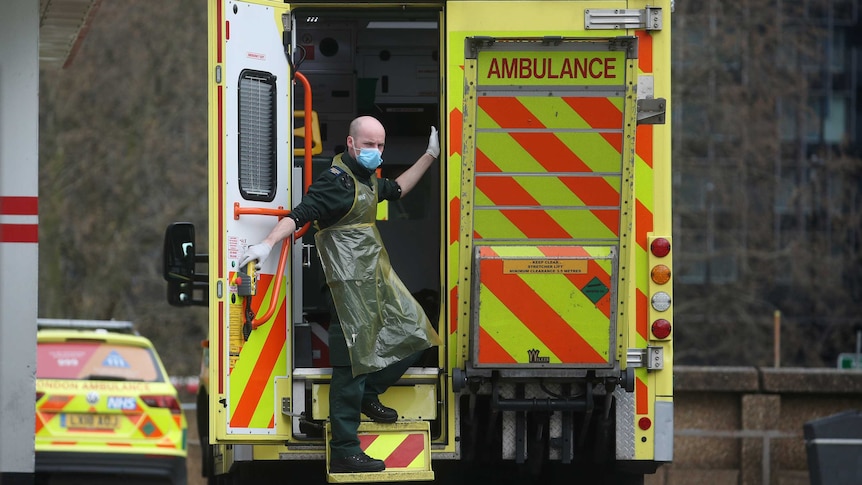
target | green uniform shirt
[{"x": 330, "y": 196}]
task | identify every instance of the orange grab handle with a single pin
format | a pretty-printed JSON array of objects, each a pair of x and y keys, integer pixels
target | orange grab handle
[
  {"x": 306, "y": 169},
  {"x": 285, "y": 247}
]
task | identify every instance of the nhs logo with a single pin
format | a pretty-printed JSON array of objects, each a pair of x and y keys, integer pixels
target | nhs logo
[{"x": 122, "y": 403}]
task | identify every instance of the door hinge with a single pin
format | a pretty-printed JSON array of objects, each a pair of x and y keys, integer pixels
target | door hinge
[
  {"x": 649, "y": 18},
  {"x": 651, "y": 357},
  {"x": 651, "y": 111}
]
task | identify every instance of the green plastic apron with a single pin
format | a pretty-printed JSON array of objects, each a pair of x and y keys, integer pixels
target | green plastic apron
[{"x": 382, "y": 322}]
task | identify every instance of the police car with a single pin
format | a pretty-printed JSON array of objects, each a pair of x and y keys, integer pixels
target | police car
[{"x": 104, "y": 404}]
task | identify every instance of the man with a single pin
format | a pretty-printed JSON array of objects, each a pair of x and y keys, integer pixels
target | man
[{"x": 377, "y": 329}]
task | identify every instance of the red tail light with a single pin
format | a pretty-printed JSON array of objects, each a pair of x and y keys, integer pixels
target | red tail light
[
  {"x": 661, "y": 328},
  {"x": 169, "y": 402},
  {"x": 660, "y": 247}
]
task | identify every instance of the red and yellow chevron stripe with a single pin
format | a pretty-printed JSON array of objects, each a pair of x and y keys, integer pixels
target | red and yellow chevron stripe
[
  {"x": 261, "y": 359},
  {"x": 644, "y": 208},
  {"x": 396, "y": 450},
  {"x": 534, "y": 184},
  {"x": 544, "y": 305}
]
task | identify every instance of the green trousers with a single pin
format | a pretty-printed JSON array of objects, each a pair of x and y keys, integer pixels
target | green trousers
[{"x": 347, "y": 393}]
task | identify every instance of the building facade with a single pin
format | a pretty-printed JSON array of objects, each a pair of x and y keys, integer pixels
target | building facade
[{"x": 768, "y": 179}]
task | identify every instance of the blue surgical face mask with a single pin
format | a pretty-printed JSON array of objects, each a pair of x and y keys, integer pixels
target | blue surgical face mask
[{"x": 369, "y": 158}]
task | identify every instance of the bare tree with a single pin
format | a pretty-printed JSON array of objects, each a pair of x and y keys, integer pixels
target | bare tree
[{"x": 122, "y": 154}]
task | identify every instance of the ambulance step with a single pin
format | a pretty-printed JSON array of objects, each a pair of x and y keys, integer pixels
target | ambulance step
[{"x": 404, "y": 446}]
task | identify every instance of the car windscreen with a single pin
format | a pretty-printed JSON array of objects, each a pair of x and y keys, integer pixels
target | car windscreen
[{"x": 96, "y": 361}]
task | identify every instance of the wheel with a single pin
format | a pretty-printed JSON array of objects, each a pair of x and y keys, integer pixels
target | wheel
[{"x": 203, "y": 420}]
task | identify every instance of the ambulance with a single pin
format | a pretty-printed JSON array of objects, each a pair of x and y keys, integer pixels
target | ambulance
[
  {"x": 539, "y": 244},
  {"x": 105, "y": 406}
]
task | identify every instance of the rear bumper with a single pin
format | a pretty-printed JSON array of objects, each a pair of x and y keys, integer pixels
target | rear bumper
[{"x": 126, "y": 464}]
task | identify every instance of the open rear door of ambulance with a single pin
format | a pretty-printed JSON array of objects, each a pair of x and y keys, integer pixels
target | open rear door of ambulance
[{"x": 251, "y": 180}]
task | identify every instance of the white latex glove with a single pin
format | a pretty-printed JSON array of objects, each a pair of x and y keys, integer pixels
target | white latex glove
[
  {"x": 433, "y": 144},
  {"x": 257, "y": 252}
]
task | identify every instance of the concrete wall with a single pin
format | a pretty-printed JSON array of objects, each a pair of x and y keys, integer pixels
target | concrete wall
[{"x": 743, "y": 425}]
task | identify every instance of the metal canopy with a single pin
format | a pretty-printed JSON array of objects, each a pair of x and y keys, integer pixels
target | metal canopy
[{"x": 63, "y": 24}]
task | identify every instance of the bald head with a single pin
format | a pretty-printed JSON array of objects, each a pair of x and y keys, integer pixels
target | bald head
[
  {"x": 364, "y": 124},
  {"x": 365, "y": 132}
]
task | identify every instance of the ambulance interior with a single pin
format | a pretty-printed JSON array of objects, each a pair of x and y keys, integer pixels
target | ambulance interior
[{"x": 384, "y": 63}]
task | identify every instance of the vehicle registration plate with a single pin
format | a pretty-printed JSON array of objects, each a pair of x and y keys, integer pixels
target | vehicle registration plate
[{"x": 92, "y": 421}]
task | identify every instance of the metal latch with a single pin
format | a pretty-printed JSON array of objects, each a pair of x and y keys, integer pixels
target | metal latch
[
  {"x": 649, "y": 18},
  {"x": 651, "y": 111},
  {"x": 307, "y": 255},
  {"x": 651, "y": 357}
]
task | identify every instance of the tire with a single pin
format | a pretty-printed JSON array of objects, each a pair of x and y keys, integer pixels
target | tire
[{"x": 203, "y": 421}]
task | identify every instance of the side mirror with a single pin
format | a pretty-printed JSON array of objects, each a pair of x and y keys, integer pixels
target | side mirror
[
  {"x": 179, "y": 252},
  {"x": 179, "y": 266}
]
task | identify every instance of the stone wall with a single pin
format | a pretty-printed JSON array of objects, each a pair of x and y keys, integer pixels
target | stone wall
[
  {"x": 743, "y": 425},
  {"x": 733, "y": 425}
]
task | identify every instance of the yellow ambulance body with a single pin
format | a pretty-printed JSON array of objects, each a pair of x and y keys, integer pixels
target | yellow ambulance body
[{"x": 539, "y": 244}]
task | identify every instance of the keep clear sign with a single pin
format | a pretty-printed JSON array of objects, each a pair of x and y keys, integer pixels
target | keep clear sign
[
  {"x": 560, "y": 266},
  {"x": 552, "y": 68}
]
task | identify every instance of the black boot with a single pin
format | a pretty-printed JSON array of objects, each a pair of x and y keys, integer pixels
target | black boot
[
  {"x": 378, "y": 412},
  {"x": 359, "y": 463}
]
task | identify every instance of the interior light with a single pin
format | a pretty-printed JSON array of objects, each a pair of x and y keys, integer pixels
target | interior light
[{"x": 376, "y": 24}]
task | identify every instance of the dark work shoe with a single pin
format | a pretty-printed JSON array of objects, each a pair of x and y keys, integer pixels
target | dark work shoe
[
  {"x": 378, "y": 412},
  {"x": 360, "y": 463}
]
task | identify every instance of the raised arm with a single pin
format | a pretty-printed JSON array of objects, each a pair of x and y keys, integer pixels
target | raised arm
[{"x": 411, "y": 176}]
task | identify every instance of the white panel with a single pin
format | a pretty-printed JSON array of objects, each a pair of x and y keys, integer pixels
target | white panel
[
  {"x": 255, "y": 43},
  {"x": 664, "y": 431},
  {"x": 19, "y": 168}
]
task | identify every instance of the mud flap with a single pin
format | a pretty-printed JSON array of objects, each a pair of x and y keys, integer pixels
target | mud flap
[{"x": 405, "y": 447}]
